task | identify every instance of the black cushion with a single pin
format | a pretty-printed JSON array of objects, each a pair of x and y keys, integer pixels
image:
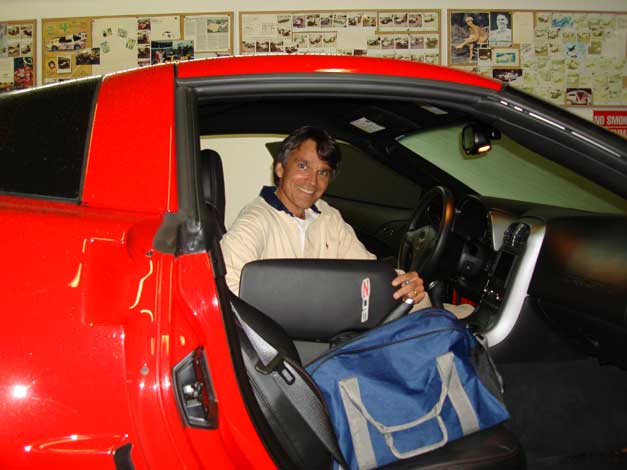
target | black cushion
[{"x": 317, "y": 299}]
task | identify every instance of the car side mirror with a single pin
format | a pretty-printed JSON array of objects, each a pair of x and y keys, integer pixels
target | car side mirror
[{"x": 476, "y": 139}]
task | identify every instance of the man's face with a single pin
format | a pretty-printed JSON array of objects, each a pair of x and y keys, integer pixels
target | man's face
[
  {"x": 303, "y": 180},
  {"x": 501, "y": 22}
]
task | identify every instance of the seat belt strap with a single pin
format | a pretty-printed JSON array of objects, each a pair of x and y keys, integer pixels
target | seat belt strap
[{"x": 294, "y": 387}]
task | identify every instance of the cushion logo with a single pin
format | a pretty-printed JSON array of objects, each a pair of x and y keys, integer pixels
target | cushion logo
[{"x": 365, "y": 299}]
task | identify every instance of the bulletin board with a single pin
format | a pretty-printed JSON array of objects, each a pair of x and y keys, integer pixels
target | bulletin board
[
  {"x": 573, "y": 59},
  {"x": 402, "y": 34},
  {"x": 17, "y": 54},
  {"x": 79, "y": 47}
]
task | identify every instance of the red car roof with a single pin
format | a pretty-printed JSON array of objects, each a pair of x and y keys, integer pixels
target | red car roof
[{"x": 310, "y": 63}]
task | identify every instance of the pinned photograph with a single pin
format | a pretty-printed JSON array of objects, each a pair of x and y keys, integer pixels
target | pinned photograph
[
  {"x": 387, "y": 42},
  {"x": 171, "y": 51},
  {"x": 130, "y": 43},
  {"x": 400, "y": 20},
  {"x": 431, "y": 42},
  {"x": 354, "y": 19},
  {"x": 340, "y": 20},
  {"x": 122, "y": 32},
  {"x": 500, "y": 29},
  {"x": 3, "y": 40},
  {"x": 51, "y": 66},
  {"x": 329, "y": 40},
  {"x": 23, "y": 72},
  {"x": 88, "y": 57},
  {"x": 374, "y": 42},
  {"x": 507, "y": 75},
  {"x": 315, "y": 40},
  {"x": 105, "y": 47},
  {"x": 298, "y": 22},
  {"x": 416, "y": 41},
  {"x": 414, "y": 20},
  {"x": 301, "y": 40},
  {"x": 291, "y": 48},
  {"x": 143, "y": 52},
  {"x": 143, "y": 37},
  {"x": 26, "y": 48},
  {"x": 218, "y": 24},
  {"x": 386, "y": 20},
  {"x": 247, "y": 47},
  {"x": 26, "y": 31},
  {"x": 143, "y": 24},
  {"x": 326, "y": 21},
  {"x": 579, "y": 96},
  {"x": 313, "y": 21},
  {"x": 429, "y": 20},
  {"x": 64, "y": 63},
  {"x": 468, "y": 33},
  {"x": 276, "y": 46},
  {"x": 106, "y": 32},
  {"x": 485, "y": 57},
  {"x": 261, "y": 47},
  {"x": 505, "y": 57},
  {"x": 369, "y": 20},
  {"x": 401, "y": 42}
]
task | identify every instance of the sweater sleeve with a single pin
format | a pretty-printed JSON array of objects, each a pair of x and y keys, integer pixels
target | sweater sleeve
[{"x": 241, "y": 244}]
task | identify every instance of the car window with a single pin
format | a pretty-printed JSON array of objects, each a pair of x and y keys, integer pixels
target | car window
[
  {"x": 43, "y": 138},
  {"x": 357, "y": 173},
  {"x": 511, "y": 171}
]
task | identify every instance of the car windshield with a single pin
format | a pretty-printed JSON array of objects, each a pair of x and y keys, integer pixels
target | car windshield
[{"x": 512, "y": 171}]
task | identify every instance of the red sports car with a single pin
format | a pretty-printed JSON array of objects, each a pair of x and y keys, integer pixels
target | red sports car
[{"x": 120, "y": 347}]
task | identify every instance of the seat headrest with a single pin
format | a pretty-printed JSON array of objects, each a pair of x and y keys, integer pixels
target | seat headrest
[{"x": 212, "y": 179}]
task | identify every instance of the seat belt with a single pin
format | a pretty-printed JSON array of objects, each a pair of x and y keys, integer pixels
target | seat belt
[{"x": 294, "y": 387}]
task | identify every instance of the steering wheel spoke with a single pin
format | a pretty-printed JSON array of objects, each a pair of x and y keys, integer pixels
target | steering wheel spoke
[{"x": 423, "y": 244}]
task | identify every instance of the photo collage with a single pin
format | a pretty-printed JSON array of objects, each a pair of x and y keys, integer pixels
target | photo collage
[
  {"x": 410, "y": 35},
  {"x": 16, "y": 55},
  {"x": 567, "y": 58}
]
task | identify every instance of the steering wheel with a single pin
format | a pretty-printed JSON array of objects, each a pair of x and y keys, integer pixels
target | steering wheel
[{"x": 423, "y": 244}]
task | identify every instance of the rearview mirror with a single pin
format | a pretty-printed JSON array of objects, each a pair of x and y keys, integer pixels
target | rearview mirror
[{"x": 476, "y": 139}]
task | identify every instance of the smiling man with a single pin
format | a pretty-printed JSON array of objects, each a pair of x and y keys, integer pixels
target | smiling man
[{"x": 292, "y": 221}]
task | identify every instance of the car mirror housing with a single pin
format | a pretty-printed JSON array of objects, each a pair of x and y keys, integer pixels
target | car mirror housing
[{"x": 476, "y": 139}]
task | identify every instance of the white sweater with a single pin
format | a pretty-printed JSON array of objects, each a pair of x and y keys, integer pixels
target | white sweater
[{"x": 262, "y": 231}]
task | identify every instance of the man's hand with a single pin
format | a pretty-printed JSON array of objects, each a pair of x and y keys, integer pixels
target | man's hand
[{"x": 411, "y": 286}]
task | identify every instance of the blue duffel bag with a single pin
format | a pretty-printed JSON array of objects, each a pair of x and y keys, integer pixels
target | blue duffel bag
[{"x": 408, "y": 387}]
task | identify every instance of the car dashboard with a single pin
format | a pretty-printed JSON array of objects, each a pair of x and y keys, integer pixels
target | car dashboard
[{"x": 570, "y": 264}]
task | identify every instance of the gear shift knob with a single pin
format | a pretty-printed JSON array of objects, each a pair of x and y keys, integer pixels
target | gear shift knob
[{"x": 436, "y": 293}]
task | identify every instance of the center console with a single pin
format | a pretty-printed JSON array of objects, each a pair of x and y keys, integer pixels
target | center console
[{"x": 501, "y": 274}]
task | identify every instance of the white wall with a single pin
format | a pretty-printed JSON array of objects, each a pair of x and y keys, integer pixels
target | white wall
[{"x": 247, "y": 167}]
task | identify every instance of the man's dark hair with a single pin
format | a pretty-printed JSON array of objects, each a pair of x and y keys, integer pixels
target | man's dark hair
[{"x": 326, "y": 147}]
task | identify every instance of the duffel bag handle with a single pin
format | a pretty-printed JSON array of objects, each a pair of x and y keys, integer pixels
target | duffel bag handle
[{"x": 358, "y": 415}]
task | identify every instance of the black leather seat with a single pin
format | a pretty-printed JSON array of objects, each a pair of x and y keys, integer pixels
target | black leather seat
[
  {"x": 212, "y": 180},
  {"x": 495, "y": 448}
]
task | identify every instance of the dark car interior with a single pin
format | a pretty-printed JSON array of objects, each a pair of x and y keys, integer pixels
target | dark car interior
[{"x": 548, "y": 283}]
